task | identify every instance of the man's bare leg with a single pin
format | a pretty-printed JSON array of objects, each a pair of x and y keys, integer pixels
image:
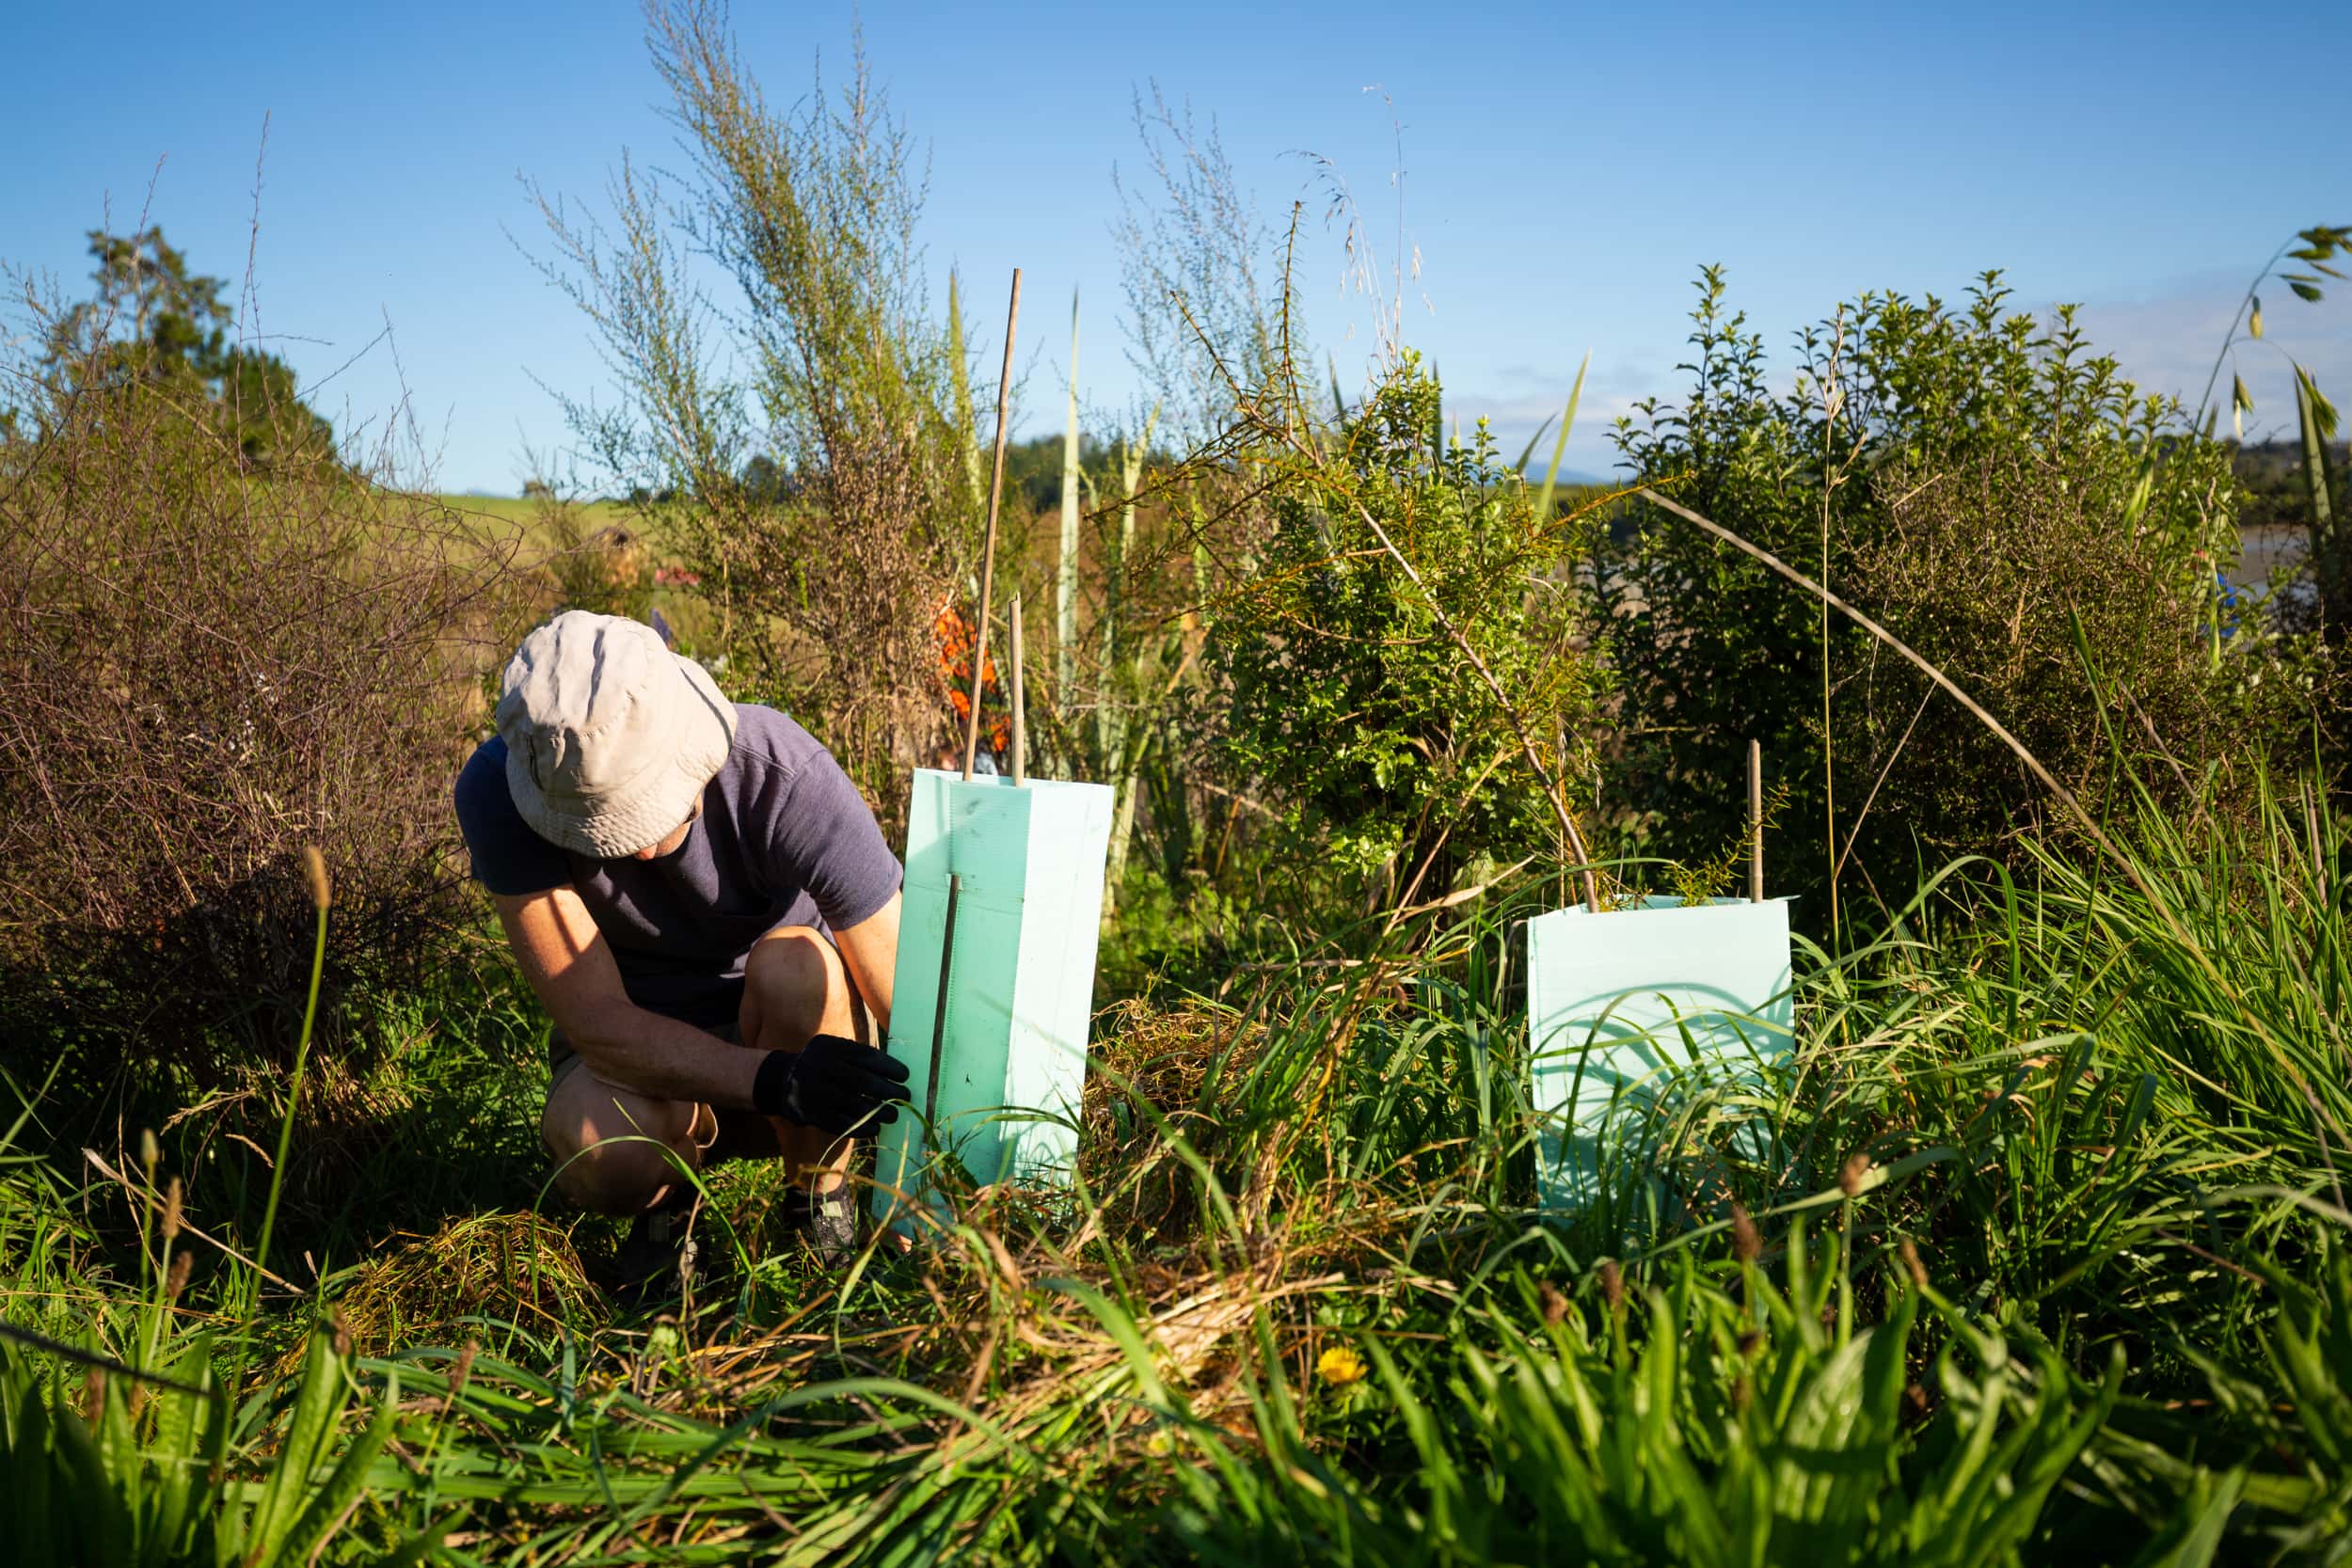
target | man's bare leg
[
  {"x": 596, "y": 1132},
  {"x": 794, "y": 988}
]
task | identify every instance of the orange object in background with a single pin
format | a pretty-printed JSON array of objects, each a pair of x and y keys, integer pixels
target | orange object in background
[{"x": 952, "y": 629}]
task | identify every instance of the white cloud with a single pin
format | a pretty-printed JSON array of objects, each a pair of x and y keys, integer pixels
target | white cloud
[{"x": 2165, "y": 341}]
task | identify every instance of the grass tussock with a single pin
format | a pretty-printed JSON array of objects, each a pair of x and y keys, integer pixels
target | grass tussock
[
  {"x": 478, "y": 1269},
  {"x": 1153, "y": 1089}
]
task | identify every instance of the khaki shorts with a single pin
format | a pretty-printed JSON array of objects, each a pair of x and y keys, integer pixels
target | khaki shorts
[
  {"x": 562, "y": 1061},
  {"x": 738, "y": 1129},
  {"x": 560, "y": 1056}
]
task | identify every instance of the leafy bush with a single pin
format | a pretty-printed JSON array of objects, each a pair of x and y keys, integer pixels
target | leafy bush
[
  {"x": 2025, "y": 578},
  {"x": 1350, "y": 699},
  {"x": 1979, "y": 483},
  {"x": 206, "y": 670}
]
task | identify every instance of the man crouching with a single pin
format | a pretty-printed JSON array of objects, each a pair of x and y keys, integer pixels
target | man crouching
[{"x": 709, "y": 914}]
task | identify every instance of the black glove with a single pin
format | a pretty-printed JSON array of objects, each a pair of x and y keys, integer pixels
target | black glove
[{"x": 835, "y": 1084}]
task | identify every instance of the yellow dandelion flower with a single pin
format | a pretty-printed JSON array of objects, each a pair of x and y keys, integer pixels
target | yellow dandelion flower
[{"x": 1340, "y": 1365}]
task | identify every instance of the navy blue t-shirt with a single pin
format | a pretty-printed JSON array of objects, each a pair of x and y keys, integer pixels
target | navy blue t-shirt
[{"x": 783, "y": 840}]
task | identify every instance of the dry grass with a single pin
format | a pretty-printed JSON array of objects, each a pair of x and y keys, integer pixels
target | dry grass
[
  {"x": 508, "y": 1268},
  {"x": 1146, "y": 1088}
]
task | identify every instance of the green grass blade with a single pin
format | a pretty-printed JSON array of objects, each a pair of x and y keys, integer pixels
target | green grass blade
[
  {"x": 1560, "y": 447},
  {"x": 325, "y": 1511}
]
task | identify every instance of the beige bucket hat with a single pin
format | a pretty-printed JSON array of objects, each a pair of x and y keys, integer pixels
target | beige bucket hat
[{"x": 609, "y": 736}]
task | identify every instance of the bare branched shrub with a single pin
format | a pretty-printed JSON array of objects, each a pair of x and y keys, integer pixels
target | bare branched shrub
[
  {"x": 1193, "y": 254},
  {"x": 807, "y": 449},
  {"x": 2024, "y": 574},
  {"x": 202, "y": 671}
]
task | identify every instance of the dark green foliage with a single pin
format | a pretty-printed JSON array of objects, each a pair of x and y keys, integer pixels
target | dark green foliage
[
  {"x": 1349, "y": 698},
  {"x": 1718, "y": 1421},
  {"x": 1033, "y": 471},
  {"x": 152, "y": 322},
  {"x": 2271, "y": 476},
  {"x": 2033, "y": 582},
  {"x": 1981, "y": 483}
]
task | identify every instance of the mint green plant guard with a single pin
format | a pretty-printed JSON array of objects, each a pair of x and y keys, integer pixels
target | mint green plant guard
[
  {"x": 1627, "y": 1007},
  {"x": 1020, "y": 981}
]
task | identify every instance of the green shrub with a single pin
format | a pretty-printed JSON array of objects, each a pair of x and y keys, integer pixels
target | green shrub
[
  {"x": 1349, "y": 700},
  {"x": 1979, "y": 483},
  {"x": 2023, "y": 578}
]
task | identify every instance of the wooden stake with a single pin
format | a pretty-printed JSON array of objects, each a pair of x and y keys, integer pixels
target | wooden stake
[
  {"x": 987, "y": 547},
  {"x": 1756, "y": 822},
  {"x": 1020, "y": 713},
  {"x": 979, "y": 688}
]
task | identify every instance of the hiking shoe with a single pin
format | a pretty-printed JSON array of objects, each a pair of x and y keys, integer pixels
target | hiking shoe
[
  {"x": 656, "y": 1258},
  {"x": 826, "y": 1223}
]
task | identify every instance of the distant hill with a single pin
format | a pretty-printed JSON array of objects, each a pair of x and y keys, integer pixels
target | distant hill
[
  {"x": 523, "y": 517},
  {"x": 1574, "y": 476}
]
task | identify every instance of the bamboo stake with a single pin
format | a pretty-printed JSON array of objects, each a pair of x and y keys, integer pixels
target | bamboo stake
[
  {"x": 1756, "y": 822},
  {"x": 1020, "y": 714},
  {"x": 987, "y": 547},
  {"x": 979, "y": 688}
]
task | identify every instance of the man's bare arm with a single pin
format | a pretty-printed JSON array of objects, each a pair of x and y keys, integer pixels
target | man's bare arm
[
  {"x": 571, "y": 969},
  {"x": 869, "y": 951}
]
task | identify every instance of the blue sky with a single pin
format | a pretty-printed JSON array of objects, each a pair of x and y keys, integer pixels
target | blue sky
[{"x": 1565, "y": 169}]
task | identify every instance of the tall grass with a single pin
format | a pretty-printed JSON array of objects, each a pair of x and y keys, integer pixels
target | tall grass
[
  {"x": 2037, "y": 1262},
  {"x": 143, "y": 1473}
]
